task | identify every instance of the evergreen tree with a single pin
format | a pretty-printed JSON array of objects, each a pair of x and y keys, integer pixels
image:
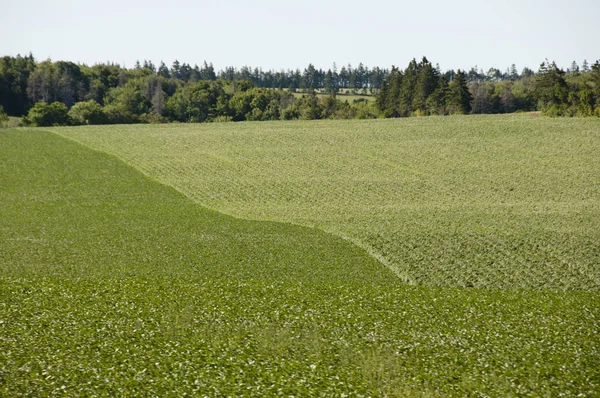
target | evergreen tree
[
  {"x": 584, "y": 66},
  {"x": 514, "y": 74},
  {"x": 328, "y": 83},
  {"x": 344, "y": 78},
  {"x": 574, "y": 69},
  {"x": 388, "y": 99},
  {"x": 176, "y": 70},
  {"x": 551, "y": 89},
  {"x": 427, "y": 80},
  {"x": 436, "y": 102},
  {"x": 407, "y": 89},
  {"x": 163, "y": 70},
  {"x": 42, "y": 83},
  {"x": 15, "y": 73},
  {"x": 458, "y": 98},
  {"x": 185, "y": 72}
]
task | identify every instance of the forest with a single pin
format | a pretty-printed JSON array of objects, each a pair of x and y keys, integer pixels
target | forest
[{"x": 65, "y": 93}]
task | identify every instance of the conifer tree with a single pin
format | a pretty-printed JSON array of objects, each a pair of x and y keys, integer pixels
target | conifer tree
[
  {"x": 163, "y": 70},
  {"x": 427, "y": 80},
  {"x": 551, "y": 88},
  {"x": 458, "y": 99},
  {"x": 436, "y": 102},
  {"x": 407, "y": 90}
]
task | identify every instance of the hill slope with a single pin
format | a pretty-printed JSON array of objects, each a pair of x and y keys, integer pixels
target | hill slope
[{"x": 489, "y": 201}]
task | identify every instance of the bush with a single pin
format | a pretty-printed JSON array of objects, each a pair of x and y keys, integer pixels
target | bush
[
  {"x": 43, "y": 114},
  {"x": 555, "y": 111},
  {"x": 116, "y": 114},
  {"x": 364, "y": 110},
  {"x": 290, "y": 113},
  {"x": 88, "y": 112},
  {"x": 255, "y": 115}
]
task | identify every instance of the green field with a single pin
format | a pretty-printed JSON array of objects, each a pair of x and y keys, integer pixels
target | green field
[
  {"x": 344, "y": 271},
  {"x": 491, "y": 201}
]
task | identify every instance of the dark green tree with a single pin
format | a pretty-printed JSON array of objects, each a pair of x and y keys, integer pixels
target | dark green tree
[
  {"x": 407, "y": 89},
  {"x": 44, "y": 114},
  {"x": 426, "y": 83},
  {"x": 14, "y": 78},
  {"x": 551, "y": 89},
  {"x": 388, "y": 99},
  {"x": 436, "y": 102},
  {"x": 163, "y": 70},
  {"x": 458, "y": 97}
]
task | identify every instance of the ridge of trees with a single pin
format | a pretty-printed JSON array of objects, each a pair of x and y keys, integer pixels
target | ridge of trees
[{"x": 63, "y": 92}]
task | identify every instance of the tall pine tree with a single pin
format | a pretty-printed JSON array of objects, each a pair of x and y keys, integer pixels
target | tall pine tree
[{"x": 458, "y": 98}]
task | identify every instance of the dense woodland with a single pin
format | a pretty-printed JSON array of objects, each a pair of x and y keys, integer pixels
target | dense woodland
[{"x": 65, "y": 93}]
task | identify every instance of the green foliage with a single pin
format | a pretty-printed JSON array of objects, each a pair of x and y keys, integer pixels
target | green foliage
[
  {"x": 198, "y": 102},
  {"x": 88, "y": 112},
  {"x": 130, "y": 98},
  {"x": 436, "y": 102},
  {"x": 552, "y": 90},
  {"x": 290, "y": 113},
  {"x": 427, "y": 82},
  {"x": 43, "y": 114},
  {"x": 458, "y": 97},
  {"x": 174, "y": 95},
  {"x": 421, "y": 90},
  {"x": 118, "y": 114},
  {"x": 14, "y": 77}
]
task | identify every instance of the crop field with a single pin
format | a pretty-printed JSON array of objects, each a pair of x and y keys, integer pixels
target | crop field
[
  {"x": 490, "y": 202},
  {"x": 420, "y": 257}
]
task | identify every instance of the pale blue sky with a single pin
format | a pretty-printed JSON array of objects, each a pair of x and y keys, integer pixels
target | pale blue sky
[{"x": 281, "y": 35}]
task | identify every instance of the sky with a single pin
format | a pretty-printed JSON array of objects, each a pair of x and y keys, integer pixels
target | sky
[{"x": 277, "y": 35}]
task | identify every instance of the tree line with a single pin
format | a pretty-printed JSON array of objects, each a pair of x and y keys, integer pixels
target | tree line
[
  {"x": 422, "y": 89},
  {"x": 62, "y": 92}
]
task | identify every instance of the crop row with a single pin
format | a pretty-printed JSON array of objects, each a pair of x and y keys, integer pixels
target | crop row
[
  {"x": 157, "y": 336},
  {"x": 493, "y": 201}
]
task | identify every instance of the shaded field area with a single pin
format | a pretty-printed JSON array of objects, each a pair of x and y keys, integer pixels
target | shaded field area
[
  {"x": 472, "y": 201},
  {"x": 70, "y": 212},
  {"x": 113, "y": 284}
]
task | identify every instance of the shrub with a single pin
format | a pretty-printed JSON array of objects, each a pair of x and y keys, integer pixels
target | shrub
[
  {"x": 290, "y": 113},
  {"x": 116, "y": 114},
  {"x": 43, "y": 114},
  {"x": 88, "y": 112}
]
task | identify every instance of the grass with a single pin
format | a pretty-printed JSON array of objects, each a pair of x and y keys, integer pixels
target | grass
[
  {"x": 65, "y": 207},
  {"x": 12, "y": 122},
  {"x": 488, "y": 201},
  {"x": 113, "y": 284}
]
